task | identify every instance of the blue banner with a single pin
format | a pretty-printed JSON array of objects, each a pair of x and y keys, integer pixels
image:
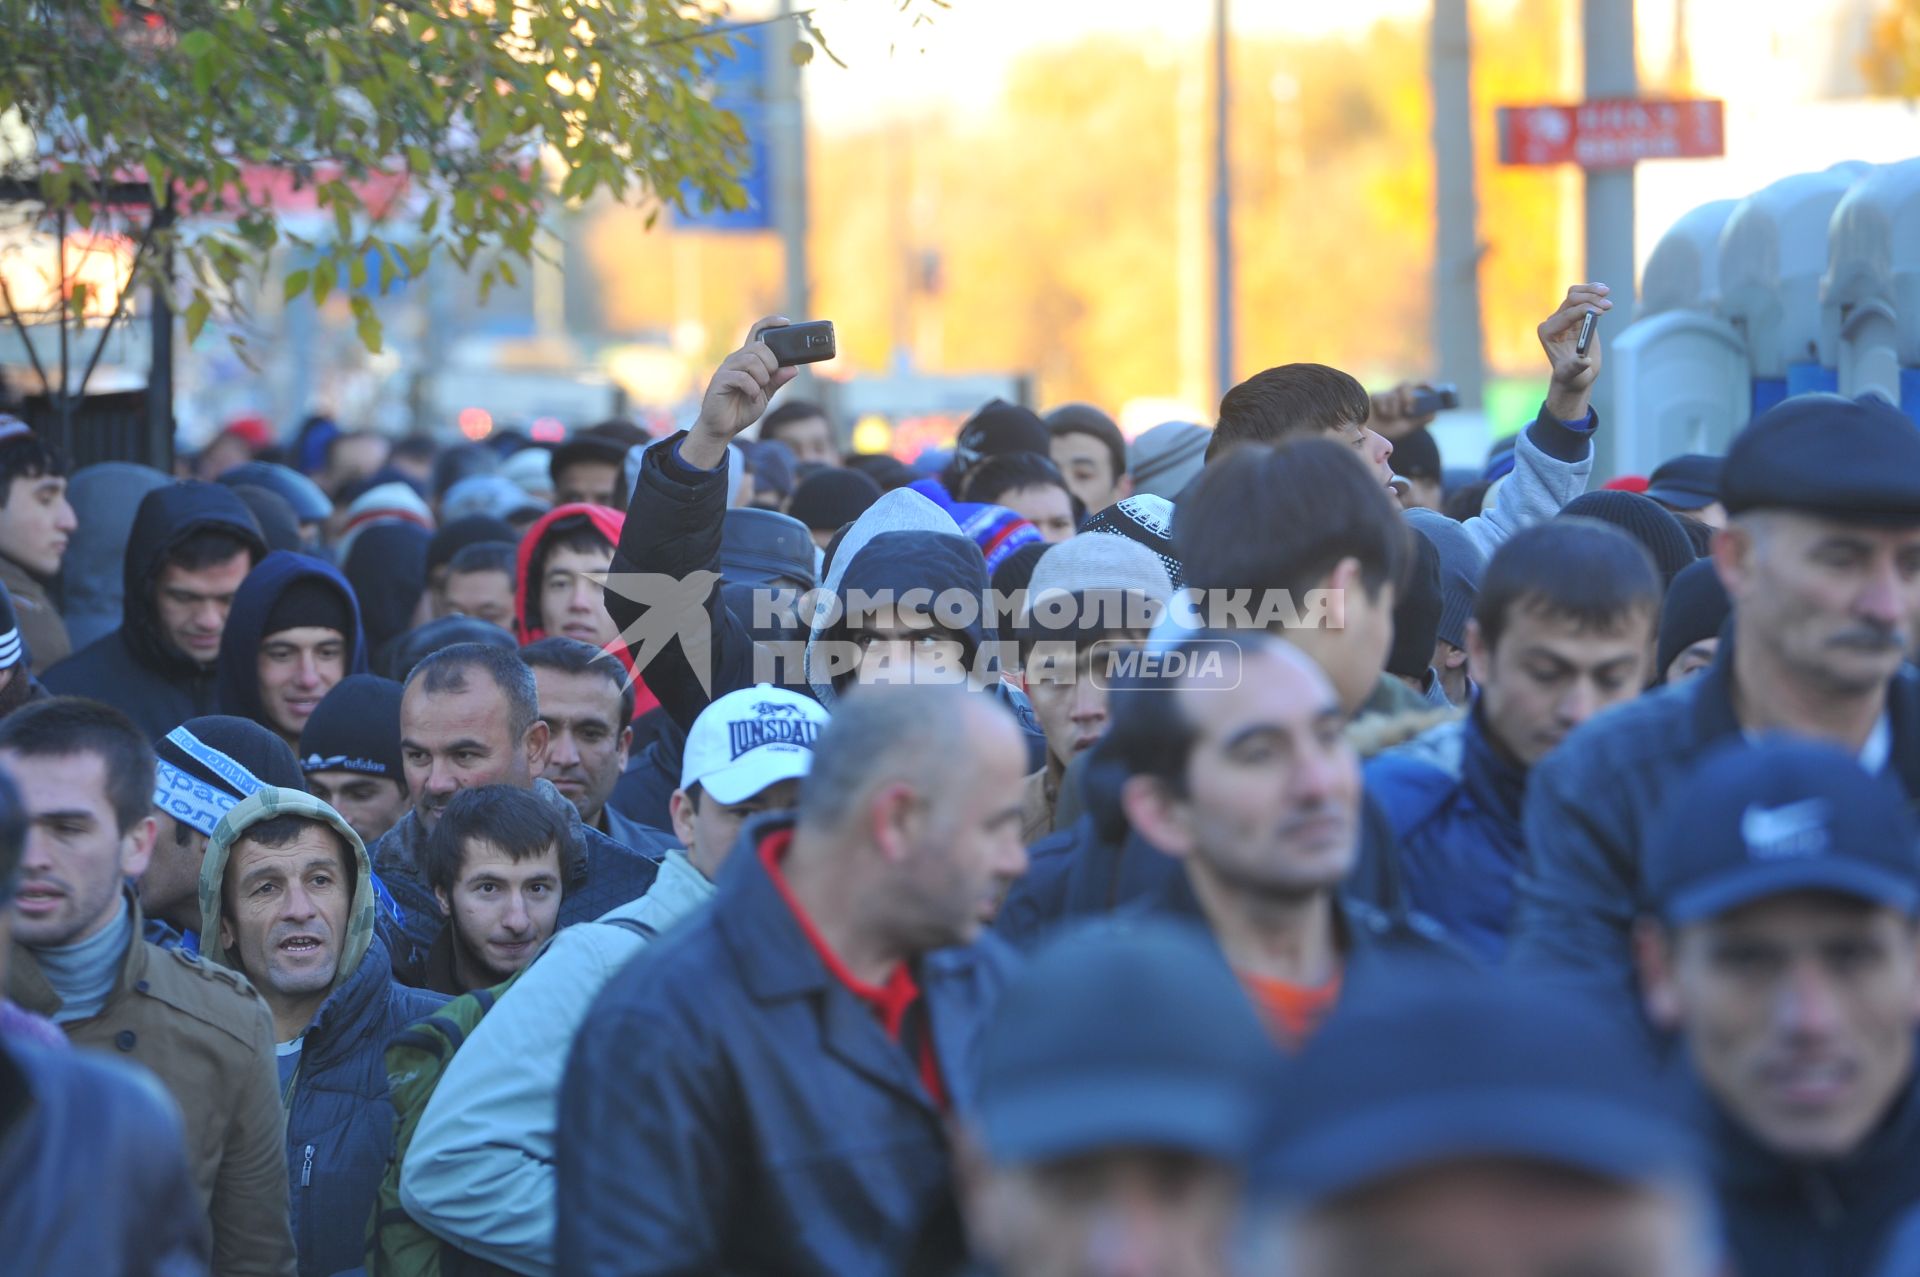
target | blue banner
[{"x": 740, "y": 85}]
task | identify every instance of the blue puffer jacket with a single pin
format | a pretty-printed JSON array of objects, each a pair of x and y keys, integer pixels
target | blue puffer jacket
[
  {"x": 776, "y": 1129},
  {"x": 1461, "y": 848},
  {"x": 339, "y": 1120},
  {"x": 339, "y": 1116}
]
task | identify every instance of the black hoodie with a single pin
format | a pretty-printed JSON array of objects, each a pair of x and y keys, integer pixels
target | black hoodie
[{"x": 135, "y": 669}]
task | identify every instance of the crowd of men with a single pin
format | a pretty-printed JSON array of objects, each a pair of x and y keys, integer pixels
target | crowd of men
[{"x": 640, "y": 856}]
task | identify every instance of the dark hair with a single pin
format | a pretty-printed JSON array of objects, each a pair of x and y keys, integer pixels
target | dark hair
[
  {"x": 1084, "y": 419},
  {"x": 1150, "y": 733},
  {"x": 517, "y": 821},
  {"x": 1283, "y": 518},
  {"x": 1280, "y": 403},
  {"x": 1699, "y": 534},
  {"x": 446, "y": 671},
  {"x": 1581, "y": 570},
  {"x": 485, "y": 556},
  {"x": 27, "y": 456},
  {"x": 577, "y": 533},
  {"x": 13, "y": 837},
  {"x": 790, "y": 411},
  {"x": 205, "y": 547},
  {"x": 63, "y": 726},
  {"x": 571, "y": 656},
  {"x": 1012, "y": 472}
]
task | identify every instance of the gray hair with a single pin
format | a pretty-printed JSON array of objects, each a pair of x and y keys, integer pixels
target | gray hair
[{"x": 446, "y": 671}]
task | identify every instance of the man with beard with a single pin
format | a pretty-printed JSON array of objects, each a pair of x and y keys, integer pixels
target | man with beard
[{"x": 1821, "y": 558}]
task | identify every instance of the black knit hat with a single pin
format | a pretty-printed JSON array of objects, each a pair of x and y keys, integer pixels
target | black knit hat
[
  {"x": 278, "y": 523},
  {"x": 999, "y": 428},
  {"x": 1416, "y": 456},
  {"x": 1696, "y": 607},
  {"x": 832, "y": 499},
  {"x": 13, "y": 648},
  {"x": 355, "y": 728},
  {"x": 310, "y": 601},
  {"x": 206, "y": 766},
  {"x": 1416, "y": 613},
  {"x": 1647, "y": 522}
]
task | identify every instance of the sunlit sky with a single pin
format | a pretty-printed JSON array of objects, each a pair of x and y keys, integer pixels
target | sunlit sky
[{"x": 1779, "y": 65}]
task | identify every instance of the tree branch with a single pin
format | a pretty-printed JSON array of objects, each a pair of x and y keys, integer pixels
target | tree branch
[
  {"x": 119, "y": 306},
  {"x": 13, "y": 313}
]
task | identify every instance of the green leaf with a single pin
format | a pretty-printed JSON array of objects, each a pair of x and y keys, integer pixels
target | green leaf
[
  {"x": 77, "y": 298},
  {"x": 343, "y": 202},
  {"x": 419, "y": 163},
  {"x": 357, "y": 272},
  {"x": 430, "y": 217},
  {"x": 197, "y": 44},
  {"x": 801, "y": 53},
  {"x": 367, "y": 325},
  {"x": 323, "y": 280},
  {"x": 296, "y": 284},
  {"x": 197, "y": 312}
]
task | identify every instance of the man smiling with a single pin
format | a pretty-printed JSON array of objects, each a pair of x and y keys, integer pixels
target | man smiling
[
  {"x": 1786, "y": 956},
  {"x": 494, "y": 863}
]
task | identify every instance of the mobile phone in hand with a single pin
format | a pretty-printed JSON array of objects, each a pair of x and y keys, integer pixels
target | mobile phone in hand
[
  {"x": 1586, "y": 333},
  {"x": 807, "y": 343}
]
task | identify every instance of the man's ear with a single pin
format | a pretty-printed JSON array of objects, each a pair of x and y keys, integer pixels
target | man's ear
[
  {"x": 538, "y": 737},
  {"x": 1450, "y": 657},
  {"x": 136, "y": 847},
  {"x": 446, "y": 905},
  {"x": 1732, "y": 554},
  {"x": 893, "y": 818},
  {"x": 680, "y": 815},
  {"x": 1479, "y": 655},
  {"x": 226, "y": 932},
  {"x": 1653, "y": 958},
  {"x": 1344, "y": 577},
  {"x": 626, "y": 746},
  {"x": 1123, "y": 489},
  {"x": 1156, "y": 815}
]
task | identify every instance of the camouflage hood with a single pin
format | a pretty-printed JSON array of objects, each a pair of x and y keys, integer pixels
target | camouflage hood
[{"x": 263, "y": 804}]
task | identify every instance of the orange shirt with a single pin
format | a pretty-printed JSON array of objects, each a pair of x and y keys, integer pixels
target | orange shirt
[
  {"x": 1291, "y": 1012},
  {"x": 889, "y": 1002}
]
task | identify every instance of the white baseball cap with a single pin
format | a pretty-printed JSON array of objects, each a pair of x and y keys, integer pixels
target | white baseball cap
[{"x": 750, "y": 739}]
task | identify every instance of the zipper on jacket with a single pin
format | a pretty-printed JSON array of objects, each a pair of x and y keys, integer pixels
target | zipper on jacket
[{"x": 306, "y": 1168}]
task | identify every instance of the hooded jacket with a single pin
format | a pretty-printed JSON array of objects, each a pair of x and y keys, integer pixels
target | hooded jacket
[
  {"x": 600, "y": 873},
  {"x": 238, "y": 681},
  {"x": 135, "y": 668},
  {"x": 388, "y": 573},
  {"x": 526, "y": 591},
  {"x": 90, "y": 575},
  {"x": 779, "y": 1129},
  {"x": 339, "y": 1123},
  {"x": 1461, "y": 849},
  {"x": 1786, "y": 1218}
]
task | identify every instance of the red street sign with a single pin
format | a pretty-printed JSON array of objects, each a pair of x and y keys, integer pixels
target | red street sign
[{"x": 1612, "y": 132}]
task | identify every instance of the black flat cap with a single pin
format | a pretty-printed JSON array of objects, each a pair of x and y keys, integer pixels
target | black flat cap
[
  {"x": 1852, "y": 459},
  {"x": 1690, "y": 481}
]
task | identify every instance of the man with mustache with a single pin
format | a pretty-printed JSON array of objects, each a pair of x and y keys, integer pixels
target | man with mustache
[
  {"x": 287, "y": 899},
  {"x": 1821, "y": 558}
]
